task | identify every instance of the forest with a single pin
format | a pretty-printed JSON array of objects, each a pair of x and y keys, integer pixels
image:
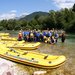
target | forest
[{"x": 61, "y": 19}]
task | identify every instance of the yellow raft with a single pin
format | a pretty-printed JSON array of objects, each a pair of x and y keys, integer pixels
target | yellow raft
[
  {"x": 4, "y": 34},
  {"x": 21, "y": 45},
  {"x": 9, "y": 43},
  {"x": 24, "y": 46},
  {"x": 31, "y": 58},
  {"x": 8, "y": 39}
]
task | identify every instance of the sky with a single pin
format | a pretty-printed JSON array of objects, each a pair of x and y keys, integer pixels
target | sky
[{"x": 15, "y": 8}]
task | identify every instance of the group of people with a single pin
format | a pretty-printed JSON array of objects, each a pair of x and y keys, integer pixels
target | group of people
[{"x": 47, "y": 36}]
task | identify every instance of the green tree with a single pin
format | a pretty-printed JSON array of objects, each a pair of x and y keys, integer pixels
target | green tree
[
  {"x": 11, "y": 24},
  {"x": 73, "y": 9}
]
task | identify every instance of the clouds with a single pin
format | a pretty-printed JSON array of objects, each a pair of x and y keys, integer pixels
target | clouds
[
  {"x": 13, "y": 11},
  {"x": 64, "y": 3},
  {"x": 9, "y": 15},
  {"x": 24, "y": 14}
]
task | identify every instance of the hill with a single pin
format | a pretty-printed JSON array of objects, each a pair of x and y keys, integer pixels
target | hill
[{"x": 32, "y": 15}]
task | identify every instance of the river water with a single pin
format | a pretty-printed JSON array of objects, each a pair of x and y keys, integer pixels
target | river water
[{"x": 67, "y": 49}]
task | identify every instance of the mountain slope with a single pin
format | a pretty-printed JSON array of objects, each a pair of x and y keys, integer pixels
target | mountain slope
[{"x": 32, "y": 15}]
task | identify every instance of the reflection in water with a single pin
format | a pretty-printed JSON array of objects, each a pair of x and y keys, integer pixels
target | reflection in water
[{"x": 62, "y": 45}]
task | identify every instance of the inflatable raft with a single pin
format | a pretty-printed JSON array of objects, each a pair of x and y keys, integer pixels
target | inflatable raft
[
  {"x": 35, "y": 59},
  {"x": 8, "y": 38},
  {"x": 4, "y": 34},
  {"x": 21, "y": 45},
  {"x": 26, "y": 46}
]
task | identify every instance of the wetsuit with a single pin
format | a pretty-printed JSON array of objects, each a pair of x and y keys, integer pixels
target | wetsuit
[{"x": 63, "y": 38}]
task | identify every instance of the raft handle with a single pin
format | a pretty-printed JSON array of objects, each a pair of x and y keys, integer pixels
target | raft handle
[
  {"x": 49, "y": 62},
  {"x": 45, "y": 57},
  {"x": 18, "y": 55},
  {"x": 32, "y": 58},
  {"x": 24, "y": 53}
]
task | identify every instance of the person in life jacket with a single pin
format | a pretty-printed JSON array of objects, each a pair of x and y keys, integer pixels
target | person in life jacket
[
  {"x": 20, "y": 36},
  {"x": 35, "y": 36},
  {"x": 31, "y": 36},
  {"x": 56, "y": 35},
  {"x": 41, "y": 37},
  {"x": 25, "y": 35}
]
